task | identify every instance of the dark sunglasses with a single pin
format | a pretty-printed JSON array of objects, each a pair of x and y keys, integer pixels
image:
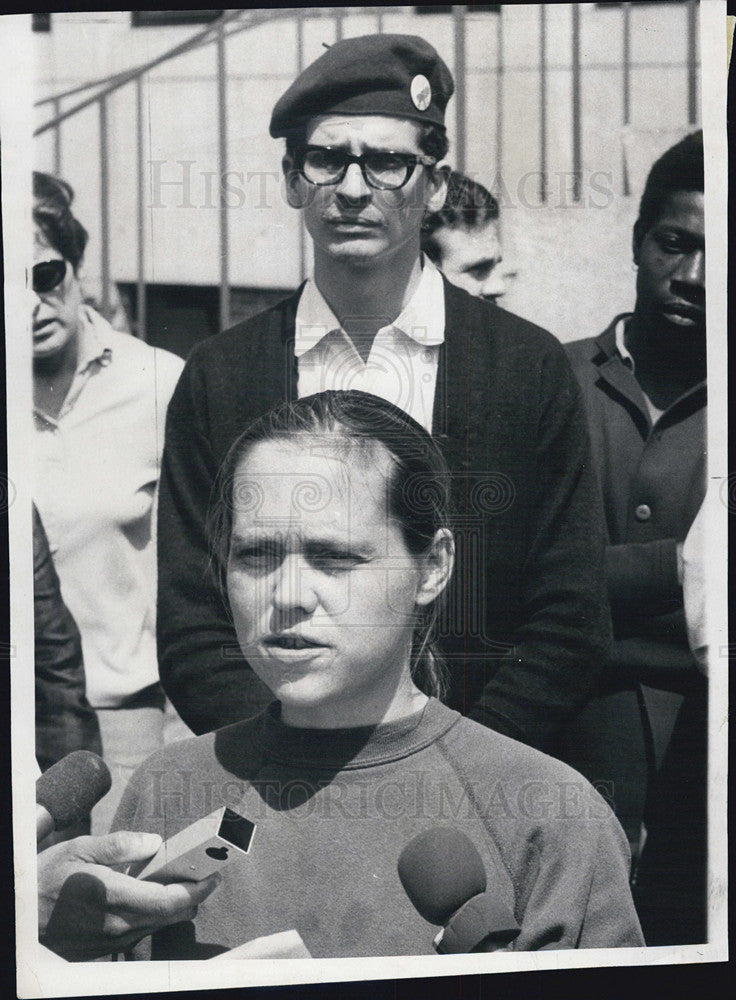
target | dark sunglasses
[
  {"x": 47, "y": 275},
  {"x": 383, "y": 170}
]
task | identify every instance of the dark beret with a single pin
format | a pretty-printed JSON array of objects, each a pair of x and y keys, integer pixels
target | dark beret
[{"x": 398, "y": 75}]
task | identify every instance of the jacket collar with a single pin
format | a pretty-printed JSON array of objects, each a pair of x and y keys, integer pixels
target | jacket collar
[
  {"x": 619, "y": 379},
  {"x": 613, "y": 369}
]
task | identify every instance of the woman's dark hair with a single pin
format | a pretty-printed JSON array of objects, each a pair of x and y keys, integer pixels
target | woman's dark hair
[
  {"x": 52, "y": 213},
  {"x": 418, "y": 490},
  {"x": 681, "y": 168}
]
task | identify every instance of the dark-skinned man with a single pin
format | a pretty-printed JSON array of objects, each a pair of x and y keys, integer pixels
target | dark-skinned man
[{"x": 644, "y": 384}]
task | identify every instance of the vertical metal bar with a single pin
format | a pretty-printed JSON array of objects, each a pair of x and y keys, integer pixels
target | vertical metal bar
[
  {"x": 140, "y": 164},
  {"x": 339, "y": 26},
  {"x": 692, "y": 54},
  {"x": 543, "y": 103},
  {"x": 499, "y": 99},
  {"x": 577, "y": 151},
  {"x": 299, "y": 42},
  {"x": 626, "y": 88},
  {"x": 222, "y": 169},
  {"x": 104, "y": 209},
  {"x": 299, "y": 68},
  {"x": 379, "y": 24},
  {"x": 57, "y": 139},
  {"x": 626, "y": 67},
  {"x": 458, "y": 17}
]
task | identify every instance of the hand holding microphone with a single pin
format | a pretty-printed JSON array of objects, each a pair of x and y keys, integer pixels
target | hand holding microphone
[
  {"x": 444, "y": 877},
  {"x": 86, "y": 909}
]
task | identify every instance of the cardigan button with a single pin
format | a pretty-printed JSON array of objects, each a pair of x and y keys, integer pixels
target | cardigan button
[{"x": 643, "y": 512}]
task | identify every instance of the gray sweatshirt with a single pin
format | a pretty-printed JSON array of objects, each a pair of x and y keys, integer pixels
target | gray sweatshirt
[{"x": 334, "y": 809}]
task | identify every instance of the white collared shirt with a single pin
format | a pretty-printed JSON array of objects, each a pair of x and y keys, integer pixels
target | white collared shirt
[
  {"x": 402, "y": 364},
  {"x": 619, "y": 331},
  {"x": 96, "y": 469}
]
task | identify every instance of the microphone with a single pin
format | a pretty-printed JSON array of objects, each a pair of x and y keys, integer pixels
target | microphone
[
  {"x": 443, "y": 875},
  {"x": 66, "y": 793}
]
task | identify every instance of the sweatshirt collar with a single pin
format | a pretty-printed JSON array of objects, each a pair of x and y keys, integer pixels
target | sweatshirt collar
[{"x": 363, "y": 746}]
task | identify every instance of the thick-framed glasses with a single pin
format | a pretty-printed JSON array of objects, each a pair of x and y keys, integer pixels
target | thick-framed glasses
[
  {"x": 48, "y": 274},
  {"x": 383, "y": 170}
]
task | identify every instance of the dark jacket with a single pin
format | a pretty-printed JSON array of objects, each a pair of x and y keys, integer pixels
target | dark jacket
[
  {"x": 527, "y": 625},
  {"x": 653, "y": 481},
  {"x": 64, "y": 719}
]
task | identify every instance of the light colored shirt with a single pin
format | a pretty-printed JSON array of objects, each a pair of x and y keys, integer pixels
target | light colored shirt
[
  {"x": 96, "y": 470},
  {"x": 624, "y": 354},
  {"x": 402, "y": 364}
]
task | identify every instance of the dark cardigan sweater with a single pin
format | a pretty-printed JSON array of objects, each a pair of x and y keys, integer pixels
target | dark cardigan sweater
[
  {"x": 527, "y": 625},
  {"x": 334, "y": 808},
  {"x": 653, "y": 481}
]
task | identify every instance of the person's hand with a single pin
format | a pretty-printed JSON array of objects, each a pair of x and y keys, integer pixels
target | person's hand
[{"x": 86, "y": 909}]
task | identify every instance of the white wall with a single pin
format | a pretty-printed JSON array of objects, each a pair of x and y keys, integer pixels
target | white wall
[{"x": 572, "y": 259}]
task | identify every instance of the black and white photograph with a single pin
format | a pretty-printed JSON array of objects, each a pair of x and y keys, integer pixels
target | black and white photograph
[{"x": 367, "y": 504}]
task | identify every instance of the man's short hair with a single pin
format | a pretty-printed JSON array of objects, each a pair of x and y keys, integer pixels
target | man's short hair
[
  {"x": 679, "y": 169},
  {"x": 468, "y": 205}
]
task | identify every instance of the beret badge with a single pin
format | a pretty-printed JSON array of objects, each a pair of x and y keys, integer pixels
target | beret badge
[{"x": 421, "y": 92}]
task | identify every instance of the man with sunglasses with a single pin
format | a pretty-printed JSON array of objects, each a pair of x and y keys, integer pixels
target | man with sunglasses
[{"x": 528, "y": 624}]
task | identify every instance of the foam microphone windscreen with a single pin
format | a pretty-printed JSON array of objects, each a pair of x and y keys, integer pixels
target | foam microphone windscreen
[
  {"x": 441, "y": 870},
  {"x": 70, "y": 788}
]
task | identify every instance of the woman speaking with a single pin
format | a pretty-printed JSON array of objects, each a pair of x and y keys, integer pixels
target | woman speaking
[{"x": 332, "y": 538}]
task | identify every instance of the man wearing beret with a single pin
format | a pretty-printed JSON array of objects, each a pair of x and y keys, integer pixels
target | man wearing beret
[{"x": 527, "y": 626}]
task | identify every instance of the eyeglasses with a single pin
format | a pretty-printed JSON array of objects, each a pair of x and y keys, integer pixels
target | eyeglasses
[
  {"x": 382, "y": 170},
  {"x": 48, "y": 274}
]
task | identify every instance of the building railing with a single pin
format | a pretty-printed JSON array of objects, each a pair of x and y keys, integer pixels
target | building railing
[{"x": 230, "y": 23}]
